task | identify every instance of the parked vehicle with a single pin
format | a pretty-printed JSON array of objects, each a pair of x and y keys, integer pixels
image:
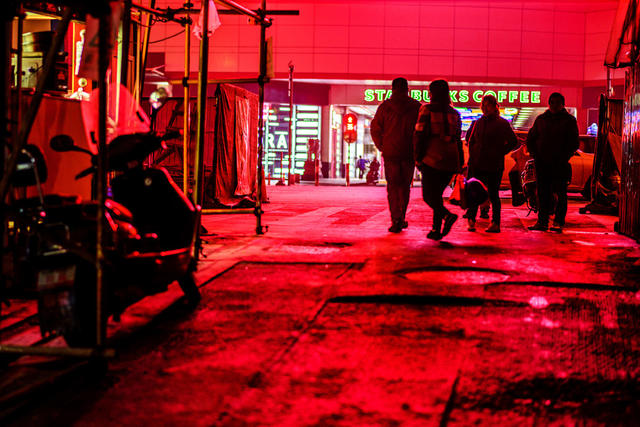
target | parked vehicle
[
  {"x": 149, "y": 239},
  {"x": 581, "y": 163}
]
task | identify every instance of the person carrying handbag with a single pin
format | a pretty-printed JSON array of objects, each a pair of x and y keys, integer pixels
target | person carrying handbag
[{"x": 438, "y": 153}]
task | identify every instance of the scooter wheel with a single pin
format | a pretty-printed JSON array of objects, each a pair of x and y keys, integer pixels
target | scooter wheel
[{"x": 190, "y": 289}]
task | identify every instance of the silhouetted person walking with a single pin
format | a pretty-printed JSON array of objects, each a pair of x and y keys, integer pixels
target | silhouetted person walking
[
  {"x": 438, "y": 153},
  {"x": 490, "y": 138},
  {"x": 552, "y": 141},
  {"x": 392, "y": 132}
]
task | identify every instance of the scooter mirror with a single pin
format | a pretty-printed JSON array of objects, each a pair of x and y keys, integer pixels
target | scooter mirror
[
  {"x": 158, "y": 98},
  {"x": 62, "y": 143}
]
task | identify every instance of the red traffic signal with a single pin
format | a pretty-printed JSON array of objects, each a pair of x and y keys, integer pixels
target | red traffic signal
[{"x": 349, "y": 127}]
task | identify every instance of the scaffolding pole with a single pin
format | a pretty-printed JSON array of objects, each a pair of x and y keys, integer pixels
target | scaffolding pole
[
  {"x": 198, "y": 167},
  {"x": 186, "y": 134}
]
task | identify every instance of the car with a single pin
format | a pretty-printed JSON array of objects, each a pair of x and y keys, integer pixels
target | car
[
  {"x": 581, "y": 166},
  {"x": 581, "y": 163}
]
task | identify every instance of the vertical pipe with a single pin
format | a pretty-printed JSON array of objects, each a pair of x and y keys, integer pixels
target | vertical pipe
[
  {"x": 291, "y": 141},
  {"x": 18, "y": 72},
  {"x": 5, "y": 90},
  {"x": 261, "y": 78},
  {"x": 185, "y": 106},
  {"x": 103, "y": 64},
  {"x": 125, "y": 42},
  {"x": 145, "y": 50},
  {"x": 203, "y": 74}
]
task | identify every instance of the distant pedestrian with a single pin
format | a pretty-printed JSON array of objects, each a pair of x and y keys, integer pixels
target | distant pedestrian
[
  {"x": 552, "y": 141},
  {"x": 361, "y": 165},
  {"x": 392, "y": 132},
  {"x": 490, "y": 138},
  {"x": 438, "y": 153}
]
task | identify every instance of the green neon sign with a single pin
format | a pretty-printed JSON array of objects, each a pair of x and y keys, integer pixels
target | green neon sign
[{"x": 457, "y": 96}]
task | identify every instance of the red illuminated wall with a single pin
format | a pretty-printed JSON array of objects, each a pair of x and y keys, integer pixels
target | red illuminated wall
[{"x": 491, "y": 41}]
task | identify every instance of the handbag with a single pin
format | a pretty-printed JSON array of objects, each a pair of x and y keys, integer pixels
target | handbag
[{"x": 457, "y": 196}]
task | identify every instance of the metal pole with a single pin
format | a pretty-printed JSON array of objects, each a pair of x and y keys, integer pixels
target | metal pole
[
  {"x": 291, "y": 142},
  {"x": 145, "y": 50},
  {"x": 261, "y": 81},
  {"x": 18, "y": 72},
  {"x": 6, "y": 14},
  {"x": 126, "y": 40},
  {"x": 103, "y": 64},
  {"x": 185, "y": 108},
  {"x": 198, "y": 173},
  {"x": 346, "y": 166}
]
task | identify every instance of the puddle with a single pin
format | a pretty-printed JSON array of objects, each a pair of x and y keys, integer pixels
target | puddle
[
  {"x": 315, "y": 248},
  {"x": 456, "y": 276}
]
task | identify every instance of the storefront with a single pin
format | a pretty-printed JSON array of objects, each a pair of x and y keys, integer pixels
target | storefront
[
  {"x": 320, "y": 106},
  {"x": 520, "y": 105}
]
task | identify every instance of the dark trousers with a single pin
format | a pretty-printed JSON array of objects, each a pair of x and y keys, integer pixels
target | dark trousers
[
  {"x": 492, "y": 181},
  {"x": 552, "y": 181},
  {"x": 399, "y": 174},
  {"x": 434, "y": 182}
]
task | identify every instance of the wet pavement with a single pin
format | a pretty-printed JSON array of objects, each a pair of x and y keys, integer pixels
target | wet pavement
[{"x": 328, "y": 319}]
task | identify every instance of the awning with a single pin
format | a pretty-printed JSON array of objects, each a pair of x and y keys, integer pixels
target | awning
[{"x": 621, "y": 51}]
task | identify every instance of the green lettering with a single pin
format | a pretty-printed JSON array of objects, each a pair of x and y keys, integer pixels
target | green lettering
[
  {"x": 425, "y": 95},
  {"x": 368, "y": 95},
  {"x": 535, "y": 97},
  {"x": 388, "y": 95},
  {"x": 513, "y": 95},
  {"x": 417, "y": 95},
  {"x": 524, "y": 96},
  {"x": 477, "y": 96},
  {"x": 490, "y": 92},
  {"x": 502, "y": 94},
  {"x": 453, "y": 94},
  {"x": 380, "y": 94},
  {"x": 464, "y": 96}
]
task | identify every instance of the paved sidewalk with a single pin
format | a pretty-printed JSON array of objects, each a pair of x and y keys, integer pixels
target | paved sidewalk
[{"x": 328, "y": 319}]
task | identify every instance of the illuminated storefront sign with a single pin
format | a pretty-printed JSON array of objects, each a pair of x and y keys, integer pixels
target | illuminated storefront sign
[
  {"x": 506, "y": 96},
  {"x": 305, "y": 126}
]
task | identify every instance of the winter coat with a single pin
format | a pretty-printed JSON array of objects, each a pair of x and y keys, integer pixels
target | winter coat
[
  {"x": 490, "y": 138},
  {"x": 436, "y": 140},
  {"x": 392, "y": 127},
  {"x": 553, "y": 139}
]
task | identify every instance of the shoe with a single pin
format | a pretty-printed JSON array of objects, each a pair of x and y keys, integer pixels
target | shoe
[
  {"x": 395, "y": 227},
  {"x": 493, "y": 228},
  {"x": 404, "y": 224},
  {"x": 539, "y": 227},
  {"x": 434, "y": 235},
  {"x": 449, "y": 220},
  {"x": 471, "y": 224},
  {"x": 484, "y": 213},
  {"x": 556, "y": 227}
]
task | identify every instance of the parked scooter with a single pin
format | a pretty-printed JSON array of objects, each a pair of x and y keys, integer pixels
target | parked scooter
[
  {"x": 149, "y": 239},
  {"x": 373, "y": 175}
]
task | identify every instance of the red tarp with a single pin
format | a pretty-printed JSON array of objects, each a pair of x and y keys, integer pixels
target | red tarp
[{"x": 233, "y": 179}]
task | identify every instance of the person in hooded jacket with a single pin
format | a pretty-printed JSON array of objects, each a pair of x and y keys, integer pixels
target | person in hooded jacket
[
  {"x": 392, "y": 133},
  {"x": 490, "y": 138},
  {"x": 438, "y": 153},
  {"x": 552, "y": 141}
]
